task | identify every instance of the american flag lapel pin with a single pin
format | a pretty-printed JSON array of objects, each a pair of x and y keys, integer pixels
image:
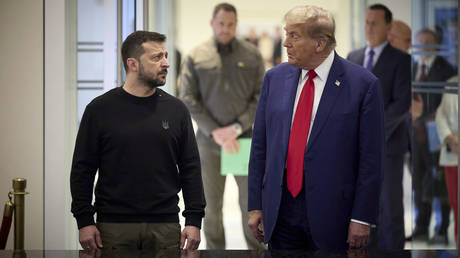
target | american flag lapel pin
[{"x": 337, "y": 83}]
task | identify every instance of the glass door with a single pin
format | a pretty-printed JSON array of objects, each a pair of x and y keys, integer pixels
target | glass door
[{"x": 434, "y": 119}]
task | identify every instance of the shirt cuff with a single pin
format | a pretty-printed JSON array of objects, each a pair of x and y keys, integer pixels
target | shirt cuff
[{"x": 363, "y": 223}]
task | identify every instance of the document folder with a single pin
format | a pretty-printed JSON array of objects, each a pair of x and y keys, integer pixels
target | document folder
[{"x": 236, "y": 164}]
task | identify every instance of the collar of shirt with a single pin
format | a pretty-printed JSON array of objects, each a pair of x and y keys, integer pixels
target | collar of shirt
[
  {"x": 225, "y": 48},
  {"x": 377, "y": 51},
  {"x": 428, "y": 62},
  {"x": 322, "y": 72}
]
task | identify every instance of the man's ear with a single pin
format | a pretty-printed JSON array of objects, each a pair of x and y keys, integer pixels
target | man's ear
[
  {"x": 133, "y": 64},
  {"x": 321, "y": 45}
]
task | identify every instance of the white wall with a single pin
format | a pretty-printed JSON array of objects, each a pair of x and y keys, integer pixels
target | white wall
[
  {"x": 21, "y": 110},
  {"x": 401, "y": 9},
  {"x": 193, "y": 18}
]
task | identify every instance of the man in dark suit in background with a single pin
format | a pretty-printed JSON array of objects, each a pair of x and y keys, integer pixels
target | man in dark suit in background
[
  {"x": 318, "y": 144},
  {"x": 429, "y": 68},
  {"x": 392, "y": 68}
]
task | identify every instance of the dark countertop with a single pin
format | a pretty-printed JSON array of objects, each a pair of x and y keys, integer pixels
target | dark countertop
[{"x": 231, "y": 254}]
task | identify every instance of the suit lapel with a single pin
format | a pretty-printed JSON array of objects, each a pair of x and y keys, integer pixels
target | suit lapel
[
  {"x": 290, "y": 90},
  {"x": 379, "y": 67},
  {"x": 328, "y": 99},
  {"x": 360, "y": 57}
]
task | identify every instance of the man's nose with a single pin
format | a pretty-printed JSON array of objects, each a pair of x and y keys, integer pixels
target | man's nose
[
  {"x": 165, "y": 63},
  {"x": 286, "y": 43},
  {"x": 225, "y": 29}
]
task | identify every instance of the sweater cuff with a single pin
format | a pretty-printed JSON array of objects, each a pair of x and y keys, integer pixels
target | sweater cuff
[
  {"x": 193, "y": 220},
  {"x": 85, "y": 219}
]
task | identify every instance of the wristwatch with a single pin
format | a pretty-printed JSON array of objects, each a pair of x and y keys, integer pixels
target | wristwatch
[{"x": 237, "y": 128}]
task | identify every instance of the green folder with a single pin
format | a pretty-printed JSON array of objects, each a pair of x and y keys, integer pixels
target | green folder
[{"x": 236, "y": 164}]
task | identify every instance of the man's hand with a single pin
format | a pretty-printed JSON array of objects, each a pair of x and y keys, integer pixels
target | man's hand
[
  {"x": 256, "y": 224},
  {"x": 90, "y": 238},
  {"x": 358, "y": 235},
  {"x": 416, "y": 108},
  {"x": 223, "y": 134},
  {"x": 192, "y": 235},
  {"x": 232, "y": 146},
  {"x": 90, "y": 253},
  {"x": 452, "y": 142}
]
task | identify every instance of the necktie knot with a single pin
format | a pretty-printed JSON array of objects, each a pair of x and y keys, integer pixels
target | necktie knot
[
  {"x": 424, "y": 67},
  {"x": 371, "y": 52},
  {"x": 311, "y": 74},
  {"x": 370, "y": 61}
]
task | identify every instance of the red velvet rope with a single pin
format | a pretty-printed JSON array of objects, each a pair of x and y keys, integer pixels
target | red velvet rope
[{"x": 4, "y": 231}]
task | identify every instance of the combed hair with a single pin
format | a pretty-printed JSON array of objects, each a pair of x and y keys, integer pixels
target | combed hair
[
  {"x": 132, "y": 46},
  {"x": 223, "y": 6},
  {"x": 430, "y": 32},
  {"x": 388, "y": 14},
  {"x": 320, "y": 23}
]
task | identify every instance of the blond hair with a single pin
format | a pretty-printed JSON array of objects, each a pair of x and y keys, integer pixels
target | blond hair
[{"x": 320, "y": 23}]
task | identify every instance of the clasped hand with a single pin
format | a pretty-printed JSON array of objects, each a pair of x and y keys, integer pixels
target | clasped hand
[{"x": 226, "y": 137}]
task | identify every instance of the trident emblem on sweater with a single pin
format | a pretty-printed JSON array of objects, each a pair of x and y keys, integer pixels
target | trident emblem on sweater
[{"x": 165, "y": 125}]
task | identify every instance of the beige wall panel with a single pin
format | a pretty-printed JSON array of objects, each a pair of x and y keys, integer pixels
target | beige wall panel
[{"x": 21, "y": 109}]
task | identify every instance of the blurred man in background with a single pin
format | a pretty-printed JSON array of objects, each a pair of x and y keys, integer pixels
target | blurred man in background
[
  {"x": 392, "y": 68},
  {"x": 400, "y": 35},
  {"x": 220, "y": 84}
]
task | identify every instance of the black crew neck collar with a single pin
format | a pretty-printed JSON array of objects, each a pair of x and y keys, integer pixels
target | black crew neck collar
[{"x": 137, "y": 99}]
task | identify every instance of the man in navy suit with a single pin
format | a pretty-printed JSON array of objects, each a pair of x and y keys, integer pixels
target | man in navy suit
[
  {"x": 392, "y": 67},
  {"x": 317, "y": 150}
]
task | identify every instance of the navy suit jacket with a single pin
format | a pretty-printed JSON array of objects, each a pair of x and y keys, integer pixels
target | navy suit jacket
[
  {"x": 393, "y": 68},
  {"x": 440, "y": 71},
  {"x": 343, "y": 159}
]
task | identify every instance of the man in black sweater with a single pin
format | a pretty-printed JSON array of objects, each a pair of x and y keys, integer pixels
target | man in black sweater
[{"x": 141, "y": 141}]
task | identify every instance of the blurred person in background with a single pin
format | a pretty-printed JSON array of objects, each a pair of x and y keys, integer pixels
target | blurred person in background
[
  {"x": 392, "y": 67},
  {"x": 427, "y": 176},
  {"x": 400, "y": 35},
  {"x": 220, "y": 84},
  {"x": 447, "y": 125}
]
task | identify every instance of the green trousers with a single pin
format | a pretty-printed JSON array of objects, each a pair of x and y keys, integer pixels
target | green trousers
[{"x": 156, "y": 237}]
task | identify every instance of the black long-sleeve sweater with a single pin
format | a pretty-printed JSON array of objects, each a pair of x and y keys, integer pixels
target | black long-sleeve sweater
[{"x": 145, "y": 152}]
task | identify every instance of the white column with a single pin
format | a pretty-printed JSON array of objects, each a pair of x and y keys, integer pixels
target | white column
[{"x": 60, "y": 230}]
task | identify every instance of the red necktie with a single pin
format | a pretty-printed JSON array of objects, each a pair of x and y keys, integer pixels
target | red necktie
[
  {"x": 299, "y": 135},
  {"x": 422, "y": 76}
]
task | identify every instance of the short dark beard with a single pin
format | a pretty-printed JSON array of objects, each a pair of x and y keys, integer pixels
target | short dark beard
[{"x": 150, "y": 82}]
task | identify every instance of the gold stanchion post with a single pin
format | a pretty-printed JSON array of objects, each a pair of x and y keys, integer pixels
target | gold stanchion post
[{"x": 19, "y": 192}]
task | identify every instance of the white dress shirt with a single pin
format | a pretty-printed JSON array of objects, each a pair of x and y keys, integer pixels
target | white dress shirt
[
  {"x": 427, "y": 61},
  {"x": 377, "y": 51},
  {"x": 322, "y": 72}
]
